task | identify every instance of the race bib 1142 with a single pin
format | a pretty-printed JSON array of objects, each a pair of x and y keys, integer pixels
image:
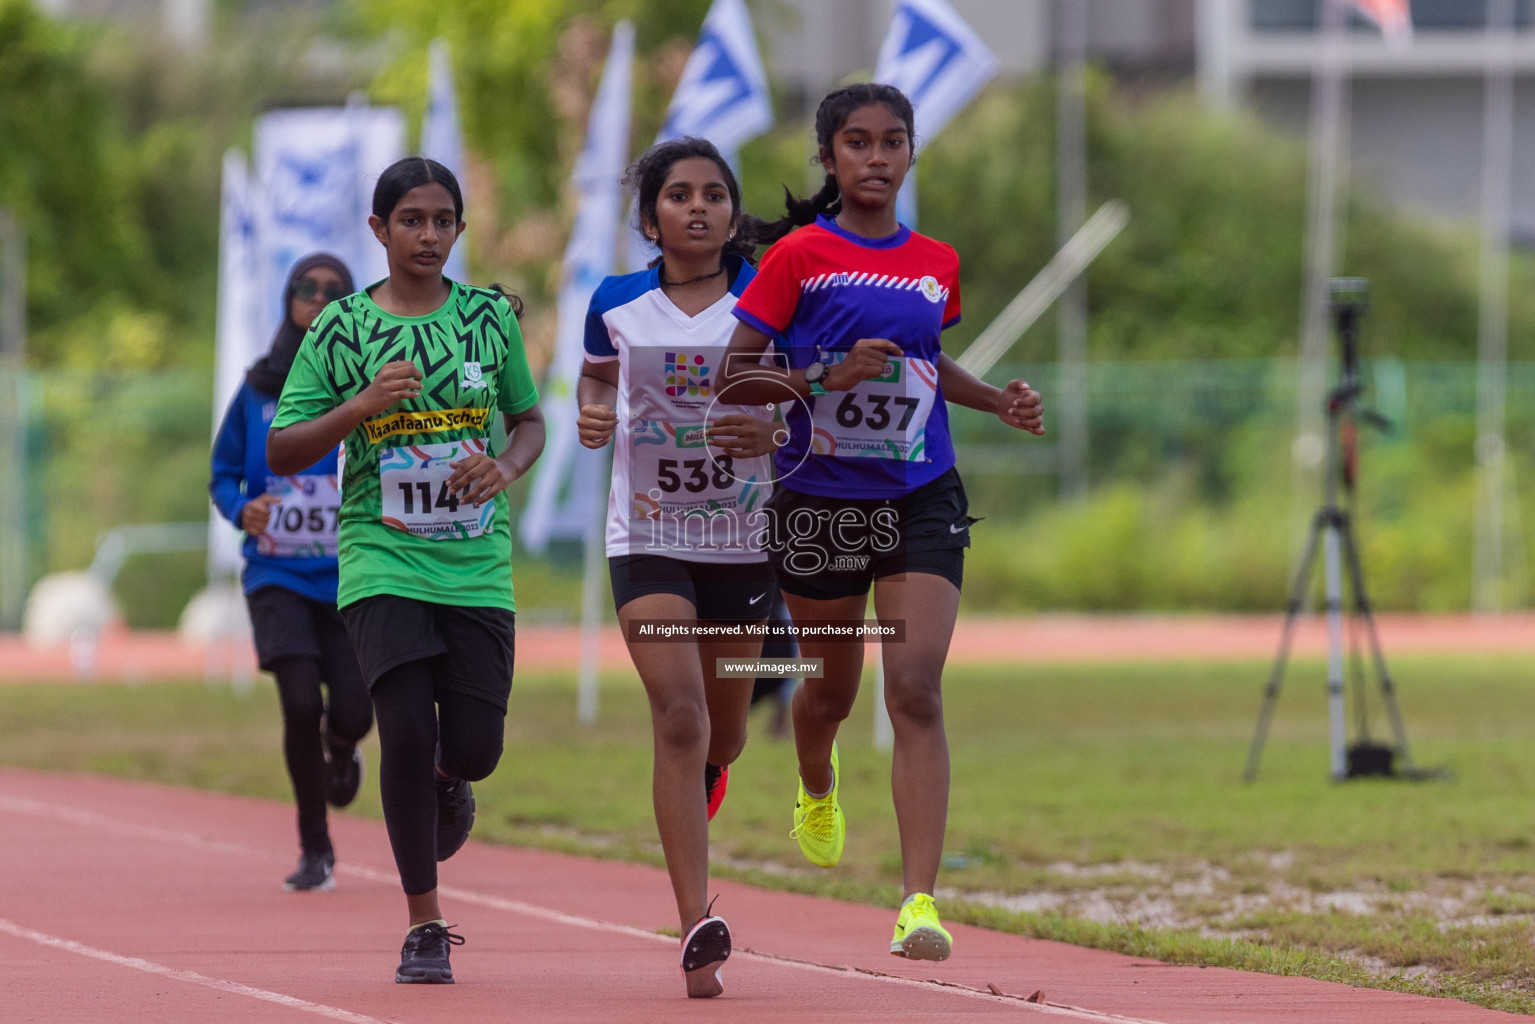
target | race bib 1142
[{"x": 413, "y": 481}]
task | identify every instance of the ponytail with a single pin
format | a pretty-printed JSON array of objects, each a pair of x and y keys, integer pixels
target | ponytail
[
  {"x": 512, "y": 298},
  {"x": 799, "y": 213}
]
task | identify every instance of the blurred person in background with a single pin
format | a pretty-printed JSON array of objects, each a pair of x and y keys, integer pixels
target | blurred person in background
[
  {"x": 778, "y": 691},
  {"x": 290, "y": 579}
]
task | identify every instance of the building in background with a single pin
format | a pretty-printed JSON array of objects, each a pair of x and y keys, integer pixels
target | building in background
[
  {"x": 813, "y": 44},
  {"x": 1416, "y": 110},
  {"x": 1416, "y": 125}
]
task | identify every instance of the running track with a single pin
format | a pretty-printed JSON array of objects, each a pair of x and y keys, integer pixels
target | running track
[
  {"x": 123, "y": 902},
  {"x": 140, "y": 657}
]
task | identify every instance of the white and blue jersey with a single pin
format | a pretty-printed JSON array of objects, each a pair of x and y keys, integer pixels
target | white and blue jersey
[{"x": 671, "y": 495}]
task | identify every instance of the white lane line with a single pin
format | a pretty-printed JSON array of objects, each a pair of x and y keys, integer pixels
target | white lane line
[
  {"x": 89, "y": 819},
  {"x": 192, "y": 977}
]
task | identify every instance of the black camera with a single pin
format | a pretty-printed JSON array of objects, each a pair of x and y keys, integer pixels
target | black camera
[
  {"x": 1348, "y": 293},
  {"x": 1348, "y": 298}
]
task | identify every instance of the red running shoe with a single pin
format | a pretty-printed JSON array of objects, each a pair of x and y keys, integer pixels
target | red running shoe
[{"x": 715, "y": 781}]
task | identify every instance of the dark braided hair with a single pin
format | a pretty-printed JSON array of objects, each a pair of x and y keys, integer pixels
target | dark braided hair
[
  {"x": 647, "y": 176},
  {"x": 832, "y": 114}
]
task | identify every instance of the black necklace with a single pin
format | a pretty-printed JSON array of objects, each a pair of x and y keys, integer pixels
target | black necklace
[{"x": 692, "y": 280}]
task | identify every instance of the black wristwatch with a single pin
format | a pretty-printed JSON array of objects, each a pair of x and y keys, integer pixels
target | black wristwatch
[{"x": 814, "y": 374}]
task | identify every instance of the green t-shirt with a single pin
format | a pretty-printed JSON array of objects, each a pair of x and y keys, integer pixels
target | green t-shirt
[{"x": 472, "y": 362}]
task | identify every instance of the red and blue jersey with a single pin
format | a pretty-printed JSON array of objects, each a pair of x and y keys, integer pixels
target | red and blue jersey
[{"x": 818, "y": 291}]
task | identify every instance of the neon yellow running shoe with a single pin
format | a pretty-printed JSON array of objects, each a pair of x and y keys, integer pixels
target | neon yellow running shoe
[
  {"x": 818, "y": 822},
  {"x": 918, "y": 934}
]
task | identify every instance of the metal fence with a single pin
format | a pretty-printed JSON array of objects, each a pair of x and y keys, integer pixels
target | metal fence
[{"x": 110, "y": 448}]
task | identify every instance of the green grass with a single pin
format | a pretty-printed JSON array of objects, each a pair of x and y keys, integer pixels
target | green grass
[{"x": 1096, "y": 804}]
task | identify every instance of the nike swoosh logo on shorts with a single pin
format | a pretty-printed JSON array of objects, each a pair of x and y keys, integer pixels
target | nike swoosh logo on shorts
[
  {"x": 759, "y": 597},
  {"x": 958, "y": 527}
]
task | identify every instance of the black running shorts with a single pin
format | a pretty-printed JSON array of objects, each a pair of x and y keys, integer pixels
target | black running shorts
[
  {"x": 720, "y": 592},
  {"x": 827, "y": 548},
  {"x": 286, "y": 624},
  {"x": 473, "y": 648}
]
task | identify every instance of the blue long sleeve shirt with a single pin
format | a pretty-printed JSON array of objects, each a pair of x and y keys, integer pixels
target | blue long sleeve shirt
[{"x": 240, "y": 473}]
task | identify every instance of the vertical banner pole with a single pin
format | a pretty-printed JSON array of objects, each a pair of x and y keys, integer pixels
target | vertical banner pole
[
  {"x": 13, "y": 437},
  {"x": 1071, "y": 211},
  {"x": 1329, "y": 137},
  {"x": 594, "y": 559},
  {"x": 1492, "y": 324}
]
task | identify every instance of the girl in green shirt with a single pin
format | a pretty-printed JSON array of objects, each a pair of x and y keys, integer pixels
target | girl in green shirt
[{"x": 408, "y": 373}]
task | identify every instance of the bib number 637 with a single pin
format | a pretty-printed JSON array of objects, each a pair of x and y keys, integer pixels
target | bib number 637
[{"x": 851, "y": 411}]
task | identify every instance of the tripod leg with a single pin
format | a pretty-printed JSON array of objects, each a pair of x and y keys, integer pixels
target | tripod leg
[
  {"x": 1333, "y": 585},
  {"x": 1281, "y": 659},
  {"x": 1362, "y": 606}
]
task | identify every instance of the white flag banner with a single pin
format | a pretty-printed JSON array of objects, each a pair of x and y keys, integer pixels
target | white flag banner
[
  {"x": 316, "y": 169},
  {"x": 722, "y": 96},
  {"x": 237, "y": 341},
  {"x": 441, "y": 140},
  {"x": 938, "y": 61},
  {"x": 311, "y": 191},
  {"x": 569, "y": 481}
]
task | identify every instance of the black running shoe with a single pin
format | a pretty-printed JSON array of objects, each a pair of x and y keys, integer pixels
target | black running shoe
[
  {"x": 705, "y": 948},
  {"x": 314, "y": 873},
  {"x": 343, "y": 773},
  {"x": 424, "y": 957},
  {"x": 455, "y": 814}
]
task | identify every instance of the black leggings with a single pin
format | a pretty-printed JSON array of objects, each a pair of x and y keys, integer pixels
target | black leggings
[
  {"x": 347, "y": 721},
  {"x": 471, "y": 730}
]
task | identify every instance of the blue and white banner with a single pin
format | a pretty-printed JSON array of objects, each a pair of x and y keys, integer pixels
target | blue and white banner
[
  {"x": 311, "y": 191},
  {"x": 237, "y": 342},
  {"x": 441, "y": 139},
  {"x": 722, "y": 96},
  {"x": 316, "y": 169},
  {"x": 569, "y": 481},
  {"x": 938, "y": 61}
]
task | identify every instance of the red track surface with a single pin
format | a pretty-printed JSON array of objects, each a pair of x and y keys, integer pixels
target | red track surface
[
  {"x": 129, "y": 902},
  {"x": 139, "y": 657}
]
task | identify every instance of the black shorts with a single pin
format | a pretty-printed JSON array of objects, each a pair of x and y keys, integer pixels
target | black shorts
[
  {"x": 827, "y": 548},
  {"x": 286, "y": 624},
  {"x": 720, "y": 592},
  {"x": 473, "y": 647}
]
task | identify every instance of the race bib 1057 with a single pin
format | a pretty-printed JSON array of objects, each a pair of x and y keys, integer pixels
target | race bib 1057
[{"x": 303, "y": 522}]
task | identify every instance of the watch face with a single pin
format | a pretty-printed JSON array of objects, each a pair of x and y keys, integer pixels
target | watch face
[{"x": 814, "y": 372}]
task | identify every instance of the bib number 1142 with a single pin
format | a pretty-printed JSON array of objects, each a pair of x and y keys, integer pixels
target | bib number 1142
[{"x": 414, "y": 492}]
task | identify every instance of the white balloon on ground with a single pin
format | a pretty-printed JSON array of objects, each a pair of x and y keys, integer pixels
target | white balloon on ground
[
  {"x": 63, "y": 605},
  {"x": 216, "y": 613}
]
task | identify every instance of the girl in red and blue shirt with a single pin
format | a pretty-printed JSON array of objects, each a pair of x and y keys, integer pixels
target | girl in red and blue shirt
[{"x": 867, "y": 494}]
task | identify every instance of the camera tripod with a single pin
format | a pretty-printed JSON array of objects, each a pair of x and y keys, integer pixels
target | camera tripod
[{"x": 1332, "y": 530}]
